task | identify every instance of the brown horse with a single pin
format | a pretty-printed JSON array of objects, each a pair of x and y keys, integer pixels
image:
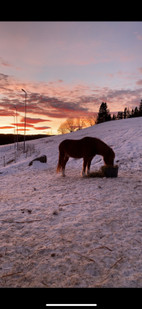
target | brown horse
[{"x": 85, "y": 148}]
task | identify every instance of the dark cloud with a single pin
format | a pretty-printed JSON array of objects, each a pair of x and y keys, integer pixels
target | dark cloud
[
  {"x": 3, "y": 77},
  {"x": 42, "y": 128},
  {"x": 53, "y": 107},
  {"x": 6, "y": 113}
]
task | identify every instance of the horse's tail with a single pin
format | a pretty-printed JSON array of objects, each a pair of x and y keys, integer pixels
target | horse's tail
[{"x": 59, "y": 166}]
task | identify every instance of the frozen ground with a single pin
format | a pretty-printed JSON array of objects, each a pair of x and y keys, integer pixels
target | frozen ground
[{"x": 72, "y": 231}]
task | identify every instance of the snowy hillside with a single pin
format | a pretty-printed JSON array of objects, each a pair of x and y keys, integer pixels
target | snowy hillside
[{"x": 72, "y": 231}]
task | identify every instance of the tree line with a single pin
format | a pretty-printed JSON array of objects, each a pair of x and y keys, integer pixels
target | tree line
[
  {"x": 12, "y": 138},
  {"x": 104, "y": 114},
  {"x": 75, "y": 124}
]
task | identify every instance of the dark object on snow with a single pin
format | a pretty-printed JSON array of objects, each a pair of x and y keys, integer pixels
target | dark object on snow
[
  {"x": 105, "y": 171},
  {"x": 42, "y": 159},
  {"x": 110, "y": 171}
]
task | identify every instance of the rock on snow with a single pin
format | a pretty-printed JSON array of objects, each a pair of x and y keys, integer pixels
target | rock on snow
[{"x": 72, "y": 231}]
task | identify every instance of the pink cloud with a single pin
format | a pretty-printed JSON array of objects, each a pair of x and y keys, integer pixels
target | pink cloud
[
  {"x": 4, "y": 63},
  {"x": 140, "y": 70},
  {"x": 58, "y": 100},
  {"x": 139, "y": 36},
  {"x": 139, "y": 82}
]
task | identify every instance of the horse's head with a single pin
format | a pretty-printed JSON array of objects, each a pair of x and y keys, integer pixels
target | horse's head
[{"x": 109, "y": 157}]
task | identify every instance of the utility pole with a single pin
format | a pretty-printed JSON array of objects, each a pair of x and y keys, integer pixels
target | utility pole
[
  {"x": 16, "y": 125},
  {"x": 25, "y": 120}
]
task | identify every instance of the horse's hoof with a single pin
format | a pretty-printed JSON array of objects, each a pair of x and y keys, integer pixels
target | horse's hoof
[{"x": 82, "y": 174}]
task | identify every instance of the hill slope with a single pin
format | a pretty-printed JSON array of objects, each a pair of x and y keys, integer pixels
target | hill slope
[{"x": 72, "y": 231}]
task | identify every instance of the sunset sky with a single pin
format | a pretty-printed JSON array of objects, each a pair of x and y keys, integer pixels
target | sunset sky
[{"x": 67, "y": 70}]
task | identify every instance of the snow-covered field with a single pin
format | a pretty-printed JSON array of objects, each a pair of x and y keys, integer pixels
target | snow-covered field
[{"x": 72, "y": 231}]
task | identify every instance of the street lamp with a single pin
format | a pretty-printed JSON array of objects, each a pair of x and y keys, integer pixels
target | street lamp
[{"x": 25, "y": 118}]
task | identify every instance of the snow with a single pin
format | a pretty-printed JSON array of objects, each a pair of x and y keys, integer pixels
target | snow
[{"x": 72, "y": 231}]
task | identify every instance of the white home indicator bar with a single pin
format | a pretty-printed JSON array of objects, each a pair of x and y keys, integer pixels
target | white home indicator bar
[{"x": 71, "y": 305}]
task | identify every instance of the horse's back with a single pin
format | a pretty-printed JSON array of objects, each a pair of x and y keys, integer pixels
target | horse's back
[{"x": 78, "y": 148}]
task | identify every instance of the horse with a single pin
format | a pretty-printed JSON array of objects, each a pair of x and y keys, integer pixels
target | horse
[{"x": 85, "y": 148}]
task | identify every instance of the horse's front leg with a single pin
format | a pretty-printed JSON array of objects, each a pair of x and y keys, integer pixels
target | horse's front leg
[
  {"x": 84, "y": 166},
  {"x": 88, "y": 165}
]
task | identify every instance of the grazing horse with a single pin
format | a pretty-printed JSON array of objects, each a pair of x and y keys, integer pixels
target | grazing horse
[{"x": 85, "y": 148}]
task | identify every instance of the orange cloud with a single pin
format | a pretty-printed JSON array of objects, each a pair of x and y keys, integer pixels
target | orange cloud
[
  {"x": 6, "y": 127},
  {"x": 22, "y": 125},
  {"x": 33, "y": 120}
]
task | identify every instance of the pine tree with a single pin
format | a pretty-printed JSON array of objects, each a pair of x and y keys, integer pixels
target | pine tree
[
  {"x": 126, "y": 113},
  {"x": 120, "y": 115},
  {"x": 103, "y": 114},
  {"x": 140, "y": 108},
  {"x": 136, "y": 112},
  {"x": 113, "y": 117},
  {"x": 132, "y": 113}
]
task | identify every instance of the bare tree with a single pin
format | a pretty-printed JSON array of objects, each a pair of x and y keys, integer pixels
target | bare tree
[
  {"x": 67, "y": 126},
  {"x": 80, "y": 123},
  {"x": 70, "y": 125},
  {"x": 74, "y": 124},
  {"x": 62, "y": 128},
  {"x": 91, "y": 120}
]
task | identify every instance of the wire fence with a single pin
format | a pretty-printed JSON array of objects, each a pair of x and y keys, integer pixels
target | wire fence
[{"x": 10, "y": 155}]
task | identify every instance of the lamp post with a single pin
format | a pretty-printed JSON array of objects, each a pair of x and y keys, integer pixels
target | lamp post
[{"x": 25, "y": 119}]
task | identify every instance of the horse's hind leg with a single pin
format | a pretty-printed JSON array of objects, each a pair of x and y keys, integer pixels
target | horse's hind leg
[
  {"x": 61, "y": 162},
  {"x": 65, "y": 160}
]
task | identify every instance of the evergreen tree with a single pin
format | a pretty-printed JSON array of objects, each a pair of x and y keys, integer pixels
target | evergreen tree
[
  {"x": 113, "y": 117},
  {"x": 136, "y": 112},
  {"x": 120, "y": 115},
  {"x": 103, "y": 114},
  {"x": 140, "y": 108},
  {"x": 132, "y": 113},
  {"x": 126, "y": 113}
]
